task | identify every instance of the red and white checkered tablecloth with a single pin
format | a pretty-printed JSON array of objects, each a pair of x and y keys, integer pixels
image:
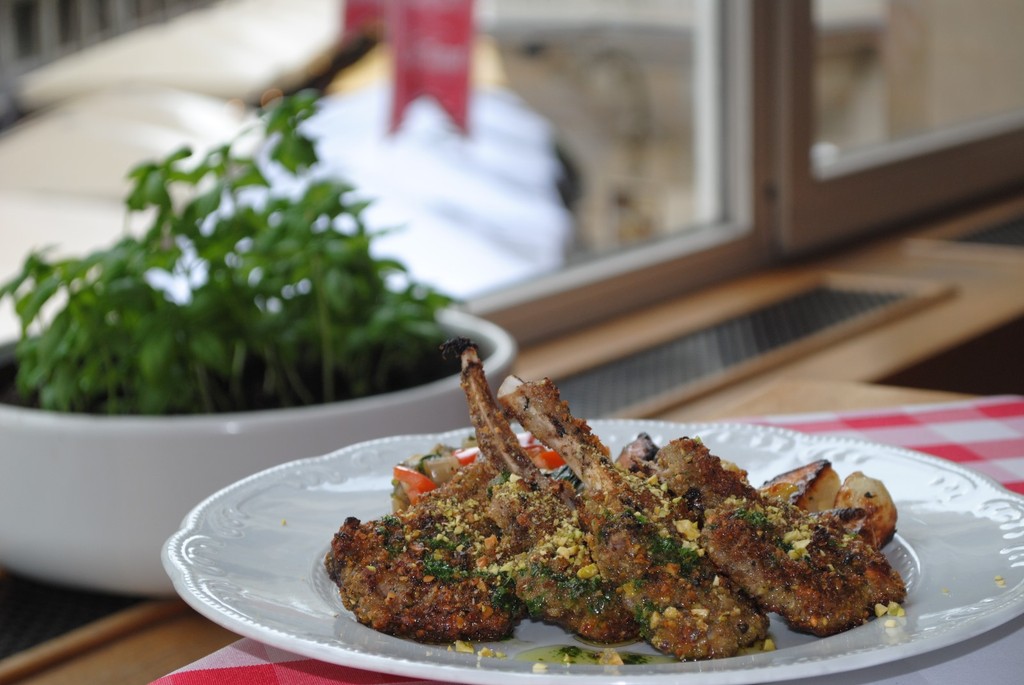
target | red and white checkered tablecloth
[{"x": 984, "y": 434}]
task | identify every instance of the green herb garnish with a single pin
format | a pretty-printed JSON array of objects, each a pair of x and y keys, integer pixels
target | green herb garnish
[
  {"x": 440, "y": 569},
  {"x": 755, "y": 518},
  {"x": 667, "y": 550}
]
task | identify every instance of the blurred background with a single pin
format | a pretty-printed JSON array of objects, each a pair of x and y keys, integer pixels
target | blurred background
[{"x": 604, "y": 137}]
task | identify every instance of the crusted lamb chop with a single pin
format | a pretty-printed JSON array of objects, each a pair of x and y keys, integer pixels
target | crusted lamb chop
[
  {"x": 688, "y": 468},
  {"x": 806, "y": 566},
  {"x": 821, "y": 578},
  {"x": 420, "y": 573},
  {"x": 860, "y": 504},
  {"x": 548, "y": 559},
  {"x": 642, "y": 539}
]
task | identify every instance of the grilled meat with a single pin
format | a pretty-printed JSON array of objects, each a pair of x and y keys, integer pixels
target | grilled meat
[
  {"x": 642, "y": 539},
  {"x": 421, "y": 573},
  {"x": 807, "y": 567},
  {"x": 548, "y": 559},
  {"x": 688, "y": 468},
  {"x": 672, "y": 544}
]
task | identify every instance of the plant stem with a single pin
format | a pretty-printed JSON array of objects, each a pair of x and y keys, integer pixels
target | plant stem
[
  {"x": 324, "y": 324},
  {"x": 295, "y": 381},
  {"x": 203, "y": 384},
  {"x": 237, "y": 369}
]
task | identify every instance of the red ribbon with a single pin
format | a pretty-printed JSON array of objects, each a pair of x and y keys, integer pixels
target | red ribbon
[
  {"x": 362, "y": 17},
  {"x": 431, "y": 44}
]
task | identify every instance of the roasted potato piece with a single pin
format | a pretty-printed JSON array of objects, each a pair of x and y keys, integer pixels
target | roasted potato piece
[
  {"x": 812, "y": 487},
  {"x": 870, "y": 495}
]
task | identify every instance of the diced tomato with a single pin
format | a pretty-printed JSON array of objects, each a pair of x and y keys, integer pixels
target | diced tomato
[
  {"x": 467, "y": 455},
  {"x": 413, "y": 482},
  {"x": 544, "y": 458},
  {"x": 541, "y": 455}
]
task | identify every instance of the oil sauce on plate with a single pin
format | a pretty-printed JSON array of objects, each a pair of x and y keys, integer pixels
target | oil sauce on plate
[{"x": 573, "y": 654}]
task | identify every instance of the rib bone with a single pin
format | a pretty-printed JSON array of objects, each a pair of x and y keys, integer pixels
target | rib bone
[
  {"x": 554, "y": 572},
  {"x": 642, "y": 539}
]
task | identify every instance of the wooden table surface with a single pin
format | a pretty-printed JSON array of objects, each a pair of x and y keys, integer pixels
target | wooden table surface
[{"x": 150, "y": 640}]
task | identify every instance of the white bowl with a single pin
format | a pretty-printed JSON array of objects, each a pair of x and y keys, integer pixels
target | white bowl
[{"x": 88, "y": 501}]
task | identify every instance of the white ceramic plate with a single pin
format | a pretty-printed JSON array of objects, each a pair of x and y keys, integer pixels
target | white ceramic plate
[{"x": 250, "y": 559}]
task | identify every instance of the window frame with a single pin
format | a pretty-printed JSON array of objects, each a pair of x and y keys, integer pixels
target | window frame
[
  {"x": 607, "y": 286},
  {"x": 871, "y": 190}
]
